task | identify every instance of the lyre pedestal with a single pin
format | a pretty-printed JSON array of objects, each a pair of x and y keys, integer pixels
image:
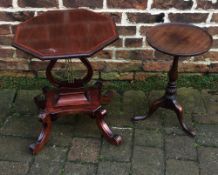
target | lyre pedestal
[{"x": 71, "y": 98}]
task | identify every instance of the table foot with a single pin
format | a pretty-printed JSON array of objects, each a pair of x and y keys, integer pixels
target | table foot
[
  {"x": 44, "y": 135},
  {"x": 40, "y": 102},
  {"x": 152, "y": 108},
  {"x": 106, "y": 131},
  {"x": 168, "y": 103},
  {"x": 179, "y": 112}
]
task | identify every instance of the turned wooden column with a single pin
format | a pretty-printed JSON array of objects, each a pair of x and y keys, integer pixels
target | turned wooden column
[{"x": 177, "y": 40}]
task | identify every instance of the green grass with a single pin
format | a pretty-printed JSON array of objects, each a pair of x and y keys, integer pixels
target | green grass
[
  {"x": 159, "y": 83},
  {"x": 153, "y": 83}
]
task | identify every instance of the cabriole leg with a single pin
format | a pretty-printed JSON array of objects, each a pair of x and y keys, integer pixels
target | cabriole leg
[
  {"x": 106, "y": 131},
  {"x": 44, "y": 135}
]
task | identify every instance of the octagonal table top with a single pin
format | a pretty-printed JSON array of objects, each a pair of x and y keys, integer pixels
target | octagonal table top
[
  {"x": 65, "y": 34},
  {"x": 179, "y": 39}
]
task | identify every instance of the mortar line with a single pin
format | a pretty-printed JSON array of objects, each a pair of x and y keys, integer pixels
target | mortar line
[
  {"x": 99, "y": 157},
  {"x": 30, "y": 164},
  {"x": 164, "y": 144},
  {"x": 105, "y": 4},
  {"x": 198, "y": 161},
  {"x": 132, "y": 150},
  {"x": 66, "y": 157}
]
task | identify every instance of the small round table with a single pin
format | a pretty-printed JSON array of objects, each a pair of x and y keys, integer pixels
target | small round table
[
  {"x": 68, "y": 34},
  {"x": 178, "y": 40}
]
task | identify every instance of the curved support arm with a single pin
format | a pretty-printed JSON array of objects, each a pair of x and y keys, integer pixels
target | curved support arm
[
  {"x": 89, "y": 74},
  {"x": 77, "y": 82}
]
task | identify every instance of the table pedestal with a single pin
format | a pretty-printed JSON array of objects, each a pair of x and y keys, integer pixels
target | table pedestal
[
  {"x": 169, "y": 101},
  {"x": 71, "y": 98}
]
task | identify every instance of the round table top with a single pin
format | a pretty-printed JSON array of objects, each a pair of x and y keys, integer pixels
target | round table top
[
  {"x": 179, "y": 39},
  {"x": 65, "y": 34}
]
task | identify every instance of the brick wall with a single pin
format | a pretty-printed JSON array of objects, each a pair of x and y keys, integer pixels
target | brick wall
[{"x": 130, "y": 57}]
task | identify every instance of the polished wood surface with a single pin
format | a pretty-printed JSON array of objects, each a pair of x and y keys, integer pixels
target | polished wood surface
[
  {"x": 179, "y": 39},
  {"x": 61, "y": 102},
  {"x": 65, "y": 34}
]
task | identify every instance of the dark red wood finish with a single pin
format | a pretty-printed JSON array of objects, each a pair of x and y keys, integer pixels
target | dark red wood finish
[
  {"x": 176, "y": 40},
  {"x": 65, "y": 34},
  {"x": 179, "y": 39},
  {"x": 68, "y": 34}
]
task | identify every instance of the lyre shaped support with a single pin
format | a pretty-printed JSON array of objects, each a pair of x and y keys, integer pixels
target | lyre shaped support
[{"x": 77, "y": 83}]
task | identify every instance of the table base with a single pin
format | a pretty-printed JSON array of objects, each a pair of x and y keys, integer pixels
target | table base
[
  {"x": 72, "y": 98},
  {"x": 72, "y": 101},
  {"x": 169, "y": 101}
]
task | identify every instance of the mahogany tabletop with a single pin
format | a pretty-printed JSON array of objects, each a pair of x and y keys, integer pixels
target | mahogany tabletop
[
  {"x": 179, "y": 39},
  {"x": 65, "y": 34}
]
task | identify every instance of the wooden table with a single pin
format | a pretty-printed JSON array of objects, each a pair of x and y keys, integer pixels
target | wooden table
[
  {"x": 64, "y": 35},
  {"x": 177, "y": 40}
]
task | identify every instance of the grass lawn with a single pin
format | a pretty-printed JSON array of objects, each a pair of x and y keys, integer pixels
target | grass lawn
[{"x": 152, "y": 83}]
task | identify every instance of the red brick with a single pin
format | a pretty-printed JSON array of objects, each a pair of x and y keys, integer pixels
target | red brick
[
  {"x": 15, "y": 73},
  {"x": 98, "y": 65},
  {"x": 213, "y": 30},
  {"x": 104, "y": 54},
  {"x": 213, "y": 68},
  {"x": 6, "y": 3},
  {"x": 127, "y": 4},
  {"x": 83, "y": 3},
  {"x": 126, "y": 66},
  {"x": 215, "y": 43},
  {"x": 161, "y": 56},
  {"x": 188, "y": 17},
  {"x": 202, "y": 4},
  {"x": 126, "y": 30},
  {"x": 166, "y": 4},
  {"x": 133, "y": 42},
  {"x": 22, "y": 54},
  {"x": 212, "y": 56},
  {"x": 141, "y": 76},
  {"x": 13, "y": 28},
  {"x": 144, "y": 29},
  {"x": 192, "y": 67},
  {"x": 12, "y": 64},
  {"x": 16, "y": 16},
  {"x": 5, "y": 29},
  {"x": 160, "y": 66},
  {"x": 145, "y": 17},
  {"x": 38, "y": 65},
  {"x": 116, "y": 16},
  {"x": 135, "y": 54},
  {"x": 5, "y": 39},
  {"x": 6, "y": 53},
  {"x": 118, "y": 43},
  {"x": 156, "y": 66},
  {"x": 128, "y": 76},
  {"x": 38, "y": 3},
  {"x": 215, "y": 17}
]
